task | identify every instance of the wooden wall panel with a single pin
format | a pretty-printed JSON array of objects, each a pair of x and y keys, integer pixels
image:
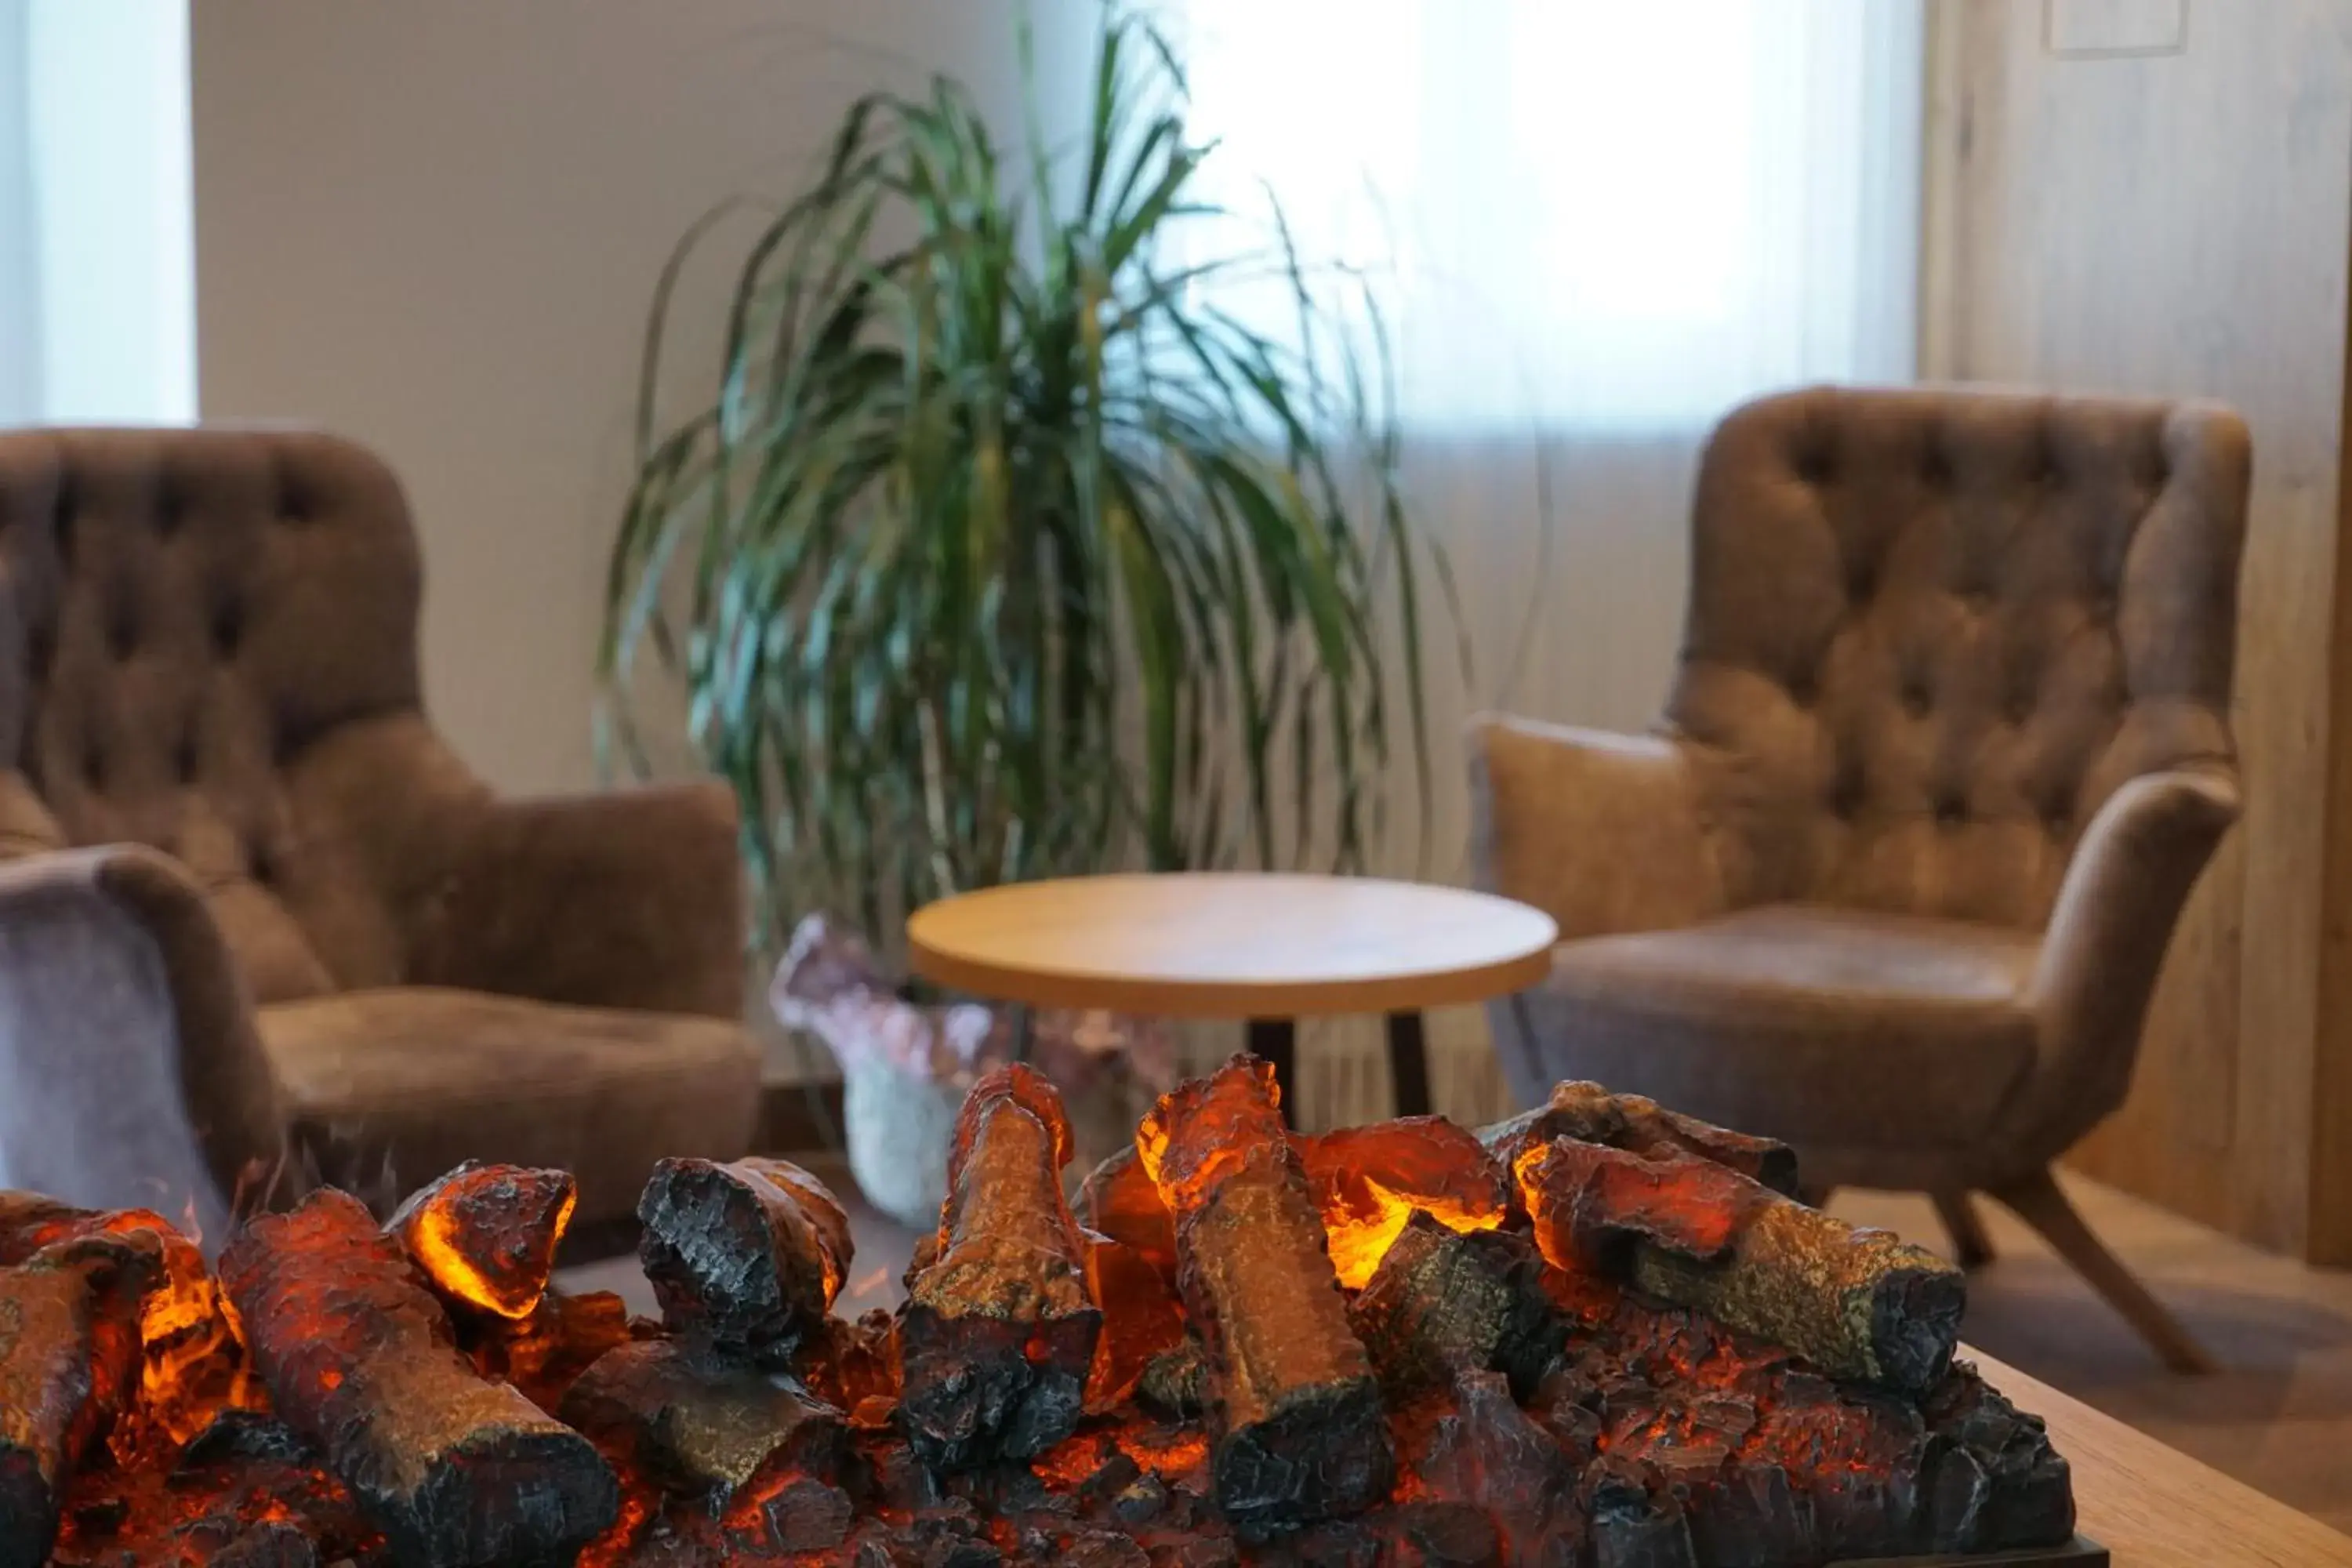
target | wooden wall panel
[{"x": 2172, "y": 217}]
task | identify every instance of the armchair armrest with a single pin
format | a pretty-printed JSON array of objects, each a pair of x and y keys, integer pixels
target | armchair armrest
[
  {"x": 1602, "y": 832},
  {"x": 627, "y": 899},
  {"x": 130, "y": 1074},
  {"x": 2131, "y": 875}
]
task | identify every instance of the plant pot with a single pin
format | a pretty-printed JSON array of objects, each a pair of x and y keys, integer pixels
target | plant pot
[{"x": 899, "y": 1127}]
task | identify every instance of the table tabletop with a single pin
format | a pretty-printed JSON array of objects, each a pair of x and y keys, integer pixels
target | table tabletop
[
  {"x": 2153, "y": 1506},
  {"x": 1231, "y": 944}
]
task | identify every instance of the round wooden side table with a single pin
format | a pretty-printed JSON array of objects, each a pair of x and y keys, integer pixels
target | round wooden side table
[{"x": 1269, "y": 948}]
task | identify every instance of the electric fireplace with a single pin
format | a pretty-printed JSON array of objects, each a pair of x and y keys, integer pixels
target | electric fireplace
[{"x": 1601, "y": 1335}]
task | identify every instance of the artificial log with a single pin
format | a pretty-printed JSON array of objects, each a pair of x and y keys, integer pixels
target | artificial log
[
  {"x": 1639, "y": 1125},
  {"x": 358, "y": 1356},
  {"x": 999, "y": 1330},
  {"x": 746, "y": 1257},
  {"x": 485, "y": 1235},
  {"x": 69, "y": 1364},
  {"x": 1301, "y": 1433},
  {"x": 704, "y": 1425},
  {"x": 1860, "y": 1304},
  {"x": 1367, "y": 1180},
  {"x": 1444, "y": 1301}
]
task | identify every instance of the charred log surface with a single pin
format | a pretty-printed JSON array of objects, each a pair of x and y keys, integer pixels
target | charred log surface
[
  {"x": 1487, "y": 1452},
  {"x": 359, "y": 1356},
  {"x": 746, "y": 1257},
  {"x": 248, "y": 1490},
  {"x": 1860, "y": 1304},
  {"x": 1444, "y": 1301},
  {"x": 703, "y": 1425},
  {"x": 999, "y": 1332},
  {"x": 485, "y": 1235},
  {"x": 1590, "y": 1114},
  {"x": 1118, "y": 1201},
  {"x": 1769, "y": 1462},
  {"x": 1368, "y": 1180},
  {"x": 1175, "y": 1383},
  {"x": 1301, "y": 1433},
  {"x": 69, "y": 1364}
]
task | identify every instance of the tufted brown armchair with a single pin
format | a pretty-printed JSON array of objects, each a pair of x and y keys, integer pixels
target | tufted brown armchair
[
  {"x": 1947, "y": 748},
  {"x": 254, "y": 913}
]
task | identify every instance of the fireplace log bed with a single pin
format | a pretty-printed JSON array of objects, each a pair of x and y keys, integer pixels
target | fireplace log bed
[{"x": 1595, "y": 1337}]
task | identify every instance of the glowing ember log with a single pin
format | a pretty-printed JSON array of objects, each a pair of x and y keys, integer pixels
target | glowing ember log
[
  {"x": 485, "y": 1235},
  {"x": 1860, "y": 1304},
  {"x": 1590, "y": 1114},
  {"x": 853, "y": 1366},
  {"x": 1142, "y": 1320},
  {"x": 68, "y": 1363},
  {"x": 1302, "y": 1435},
  {"x": 1117, "y": 1200},
  {"x": 747, "y": 1257},
  {"x": 703, "y": 1425},
  {"x": 358, "y": 1356},
  {"x": 564, "y": 1336},
  {"x": 1444, "y": 1301},
  {"x": 192, "y": 1365},
  {"x": 1368, "y": 1181},
  {"x": 999, "y": 1331},
  {"x": 1592, "y": 1204}
]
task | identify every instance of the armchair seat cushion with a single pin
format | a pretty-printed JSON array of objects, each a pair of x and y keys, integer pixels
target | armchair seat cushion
[
  {"x": 397, "y": 1085},
  {"x": 1830, "y": 1029}
]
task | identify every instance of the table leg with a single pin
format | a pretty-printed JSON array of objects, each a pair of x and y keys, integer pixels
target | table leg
[
  {"x": 1409, "y": 1063},
  {"x": 1277, "y": 1039}
]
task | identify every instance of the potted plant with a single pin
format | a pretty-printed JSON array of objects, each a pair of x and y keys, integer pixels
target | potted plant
[{"x": 1006, "y": 546}]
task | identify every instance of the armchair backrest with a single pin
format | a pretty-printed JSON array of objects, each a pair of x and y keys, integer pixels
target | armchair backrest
[
  {"x": 1930, "y": 631},
  {"x": 182, "y": 613}
]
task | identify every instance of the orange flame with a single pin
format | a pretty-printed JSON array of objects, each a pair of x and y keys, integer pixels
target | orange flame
[{"x": 1365, "y": 1219}]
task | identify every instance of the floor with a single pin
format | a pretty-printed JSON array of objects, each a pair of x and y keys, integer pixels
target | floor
[{"x": 2278, "y": 1418}]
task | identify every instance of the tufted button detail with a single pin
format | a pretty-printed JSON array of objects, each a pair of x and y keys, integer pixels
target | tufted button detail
[
  {"x": 184, "y": 758},
  {"x": 264, "y": 865},
  {"x": 2019, "y": 708},
  {"x": 171, "y": 508},
  {"x": 2057, "y": 816},
  {"x": 94, "y": 766},
  {"x": 1813, "y": 461},
  {"x": 1950, "y": 810},
  {"x": 229, "y": 628},
  {"x": 1914, "y": 697},
  {"x": 1846, "y": 793},
  {"x": 41, "y": 651},
  {"x": 1936, "y": 467},
  {"x": 122, "y": 633},
  {"x": 1805, "y": 688}
]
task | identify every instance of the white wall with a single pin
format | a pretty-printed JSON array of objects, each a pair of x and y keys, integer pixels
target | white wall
[{"x": 434, "y": 226}]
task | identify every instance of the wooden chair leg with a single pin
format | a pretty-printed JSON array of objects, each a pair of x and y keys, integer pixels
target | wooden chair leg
[
  {"x": 1970, "y": 1246},
  {"x": 2040, "y": 1203}
]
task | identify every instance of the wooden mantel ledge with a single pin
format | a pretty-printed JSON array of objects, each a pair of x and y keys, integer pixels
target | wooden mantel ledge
[{"x": 2153, "y": 1506}]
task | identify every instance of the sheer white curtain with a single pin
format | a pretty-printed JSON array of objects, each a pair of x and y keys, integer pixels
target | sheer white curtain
[
  {"x": 97, "y": 247},
  {"x": 1592, "y": 227}
]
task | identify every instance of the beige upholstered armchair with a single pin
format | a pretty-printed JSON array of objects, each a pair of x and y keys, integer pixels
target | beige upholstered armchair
[
  {"x": 1947, "y": 747},
  {"x": 254, "y": 913}
]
